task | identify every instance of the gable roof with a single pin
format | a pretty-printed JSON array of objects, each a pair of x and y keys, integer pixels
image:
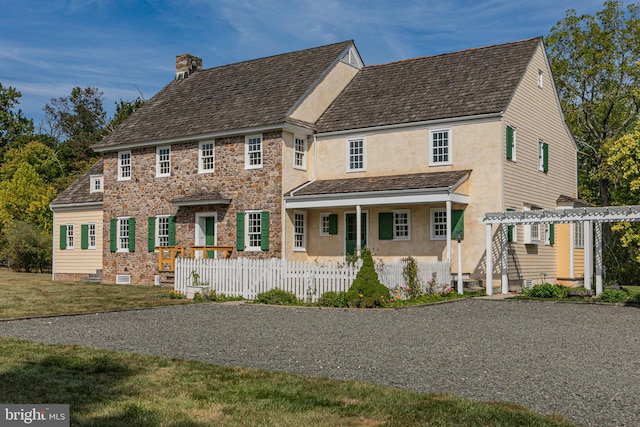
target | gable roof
[
  {"x": 248, "y": 94},
  {"x": 460, "y": 84},
  {"x": 79, "y": 192}
]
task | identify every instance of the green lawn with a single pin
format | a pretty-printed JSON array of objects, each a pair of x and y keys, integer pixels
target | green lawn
[{"x": 105, "y": 388}]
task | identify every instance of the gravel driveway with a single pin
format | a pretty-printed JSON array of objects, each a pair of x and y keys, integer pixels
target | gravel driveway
[{"x": 578, "y": 360}]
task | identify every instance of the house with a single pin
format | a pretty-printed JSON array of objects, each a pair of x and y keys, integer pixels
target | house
[{"x": 310, "y": 155}]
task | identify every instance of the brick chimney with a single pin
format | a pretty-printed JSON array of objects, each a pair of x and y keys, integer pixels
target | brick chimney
[{"x": 186, "y": 65}]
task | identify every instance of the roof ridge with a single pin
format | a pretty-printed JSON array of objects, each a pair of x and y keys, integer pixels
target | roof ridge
[{"x": 473, "y": 49}]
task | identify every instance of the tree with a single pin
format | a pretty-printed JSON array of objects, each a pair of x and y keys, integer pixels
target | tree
[
  {"x": 43, "y": 159},
  {"x": 26, "y": 247},
  {"x": 26, "y": 198},
  {"x": 12, "y": 123}
]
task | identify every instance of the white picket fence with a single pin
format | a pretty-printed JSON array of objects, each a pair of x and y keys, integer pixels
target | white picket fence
[{"x": 247, "y": 277}]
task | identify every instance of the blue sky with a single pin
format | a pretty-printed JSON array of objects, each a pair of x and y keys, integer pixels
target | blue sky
[{"x": 127, "y": 47}]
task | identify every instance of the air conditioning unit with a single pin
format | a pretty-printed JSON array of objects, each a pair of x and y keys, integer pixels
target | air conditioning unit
[{"x": 123, "y": 279}]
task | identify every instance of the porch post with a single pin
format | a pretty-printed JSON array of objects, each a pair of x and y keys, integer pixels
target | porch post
[
  {"x": 588, "y": 254},
  {"x": 504, "y": 252},
  {"x": 460, "y": 284},
  {"x": 449, "y": 230},
  {"x": 489, "y": 260},
  {"x": 572, "y": 250},
  {"x": 598, "y": 237},
  {"x": 358, "y": 229}
]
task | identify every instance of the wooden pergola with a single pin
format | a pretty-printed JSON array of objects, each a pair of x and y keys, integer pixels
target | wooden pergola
[{"x": 590, "y": 217}]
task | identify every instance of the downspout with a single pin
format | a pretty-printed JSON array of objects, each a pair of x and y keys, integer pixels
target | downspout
[{"x": 53, "y": 246}]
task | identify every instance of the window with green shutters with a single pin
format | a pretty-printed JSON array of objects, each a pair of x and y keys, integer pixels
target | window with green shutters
[
  {"x": 543, "y": 156},
  {"x": 328, "y": 224},
  {"x": 549, "y": 234},
  {"x": 252, "y": 231},
  {"x": 511, "y": 143},
  {"x": 122, "y": 235},
  {"x": 394, "y": 225},
  {"x": 161, "y": 231},
  {"x": 84, "y": 236},
  {"x": 385, "y": 226},
  {"x": 63, "y": 237}
]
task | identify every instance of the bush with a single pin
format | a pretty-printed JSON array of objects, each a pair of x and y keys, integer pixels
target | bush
[
  {"x": 367, "y": 291},
  {"x": 26, "y": 247},
  {"x": 333, "y": 299},
  {"x": 613, "y": 295},
  {"x": 635, "y": 298},
  {"x": 277, "y": 297},
  {"x": 546, "y": 290},
  {"x": 413, "y": 284}
]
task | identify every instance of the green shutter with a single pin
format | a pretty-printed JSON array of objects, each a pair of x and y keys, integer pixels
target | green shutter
[
  {"x": 84, "y": 236},
  {"x": 209, "y": 235},
  {"x": 172, "y": 231},
  {"x": 63, "y": 237},
  {"x": 264, "y": 232},
  {"x": 113, "y": 235},
  {"x": 545, "y": 157},
  {"x": 385, "y": 226},
  {"x": 509, "y": 143},
  {"x": 333, "y": 224},
  {"x": 132, "y": 234},
  {"x": 457, "y": 223},
  {"x": 240, "y": 231},
  {"x": 151, "y": 234},
  {"x": 552, "y": 233}
]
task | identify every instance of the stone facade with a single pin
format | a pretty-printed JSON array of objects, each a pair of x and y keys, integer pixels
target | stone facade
[{"x": 146, "y": 195}]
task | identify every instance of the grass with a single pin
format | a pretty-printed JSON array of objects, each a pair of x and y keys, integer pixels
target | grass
[
  {"x": 107, "y": 388},
  {"x": 24, "y": 295}
]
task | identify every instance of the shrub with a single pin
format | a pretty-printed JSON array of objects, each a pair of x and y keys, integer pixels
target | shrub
[
  {"x": 613, "y": 295},
  {"x": 635, "y": 298},
  {"x": 413, "y": 284},
  {"x": 366, "y": 290},
  {"x": 333, "y": 299},
  {"x": 26, "y": 247},
  {"x": 546, "y": 290},
  {"x": 277, "y": 297}
]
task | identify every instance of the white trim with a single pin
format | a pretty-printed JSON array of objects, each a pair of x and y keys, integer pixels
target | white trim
[
  {"x": 302, "y": 248},
  {"x": 324, "y": 215},
  {"x": 157, "y": 230},
  {"x": 201, "y": 230},
  {"x": 75, "y": 206},
  {"x": 160, "y": 174},
  {"x": 514, "y": 148},
  {"x": 95, "y": 235},
  {"x": 92, "y": 181},
  {"x": 395, "y": 236},
  {"x": 200, "y": 157},
  {"x": 361, "y": 139},
  {"x": 247, "y": 240},
  {"x": 70, "y": 236},
  {"x": 121, "y": 176},
  {"x": 302, "y": 166},
  {"x": 433, "y": 162},
  {"x": 119, "y": 247},
  {"x": 247, "y": 153},
  {"x": 432, "y": 234},
  {"x": 540, "y": 79}
]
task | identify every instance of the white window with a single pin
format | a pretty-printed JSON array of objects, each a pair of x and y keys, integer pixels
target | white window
[
  {"x": 540, "y": 79},
  {"x": 402, "y": 225},
  {"x": 578, "y": 235},
  {"x": 253, "y": 152},
  {"x": 96, "y": 184},
  {"x": 206, "y": 157},
  {"x": 124, "y": 165},
  {"x": 547, "y": 234},
  {"x": 440, "y": 147},
  {"x": 123, "y": 234},
  {"x": 300, "y": 153},
  {"x": 324, "y": 224},
  {"x": 532, "y": 234},
  {"x": 355, "y": 155},
  {"x": 162, "y": 230},
  {"x": 163, "y": 161},
  {"x": 92, "y": 235},
  {"x": 299, "y": 231},
  {"x": 70, "y": 236},
  {"x": 438, "y": 224},
  {"x": 253, "y": 231}
]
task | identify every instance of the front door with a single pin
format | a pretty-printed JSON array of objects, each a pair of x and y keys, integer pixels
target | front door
[
  {"x": 206, "y": 232},
  {"x": 351, "y": 230}
]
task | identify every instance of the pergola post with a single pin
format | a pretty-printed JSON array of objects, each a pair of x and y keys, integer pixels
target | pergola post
[
  {"x": 489, "y": 260},
  {"x": 358, "y": 230},
  {"x": 598, "y": 238},
  {"x": 448, "y": 204},
  {"x": 504, "y": 252},
  {"x": 588, "y": 254}
]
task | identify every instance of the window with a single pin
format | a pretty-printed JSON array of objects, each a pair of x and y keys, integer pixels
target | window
[
  {"x": 96, "y": 184},
  {"x": 300, "y": 153},
  {"x": 578, "y": 235},
  {"x": 540, "y": 79},
  {"x": 163, "y": 161},
  {"x": 355, "y": 155},
  {"x": 401, "y": 225},
  {"x": 254, "y": 227},
  {"x": 532, "y": 234},
  {"x": 438, "y": 224},
  {"x": 124, "y": 165},
  {"x": 328, "y": 224},
  {"x": 253, "y": 152},
  {"x": 162, "y": 231},
  {"x": 206, "y": 157},
  {"x": 69, "y": 236},
  {"x": 252, "y": 231},
  {"x": 92, "y": 236},
  {"x": 299, "y": 231},
  {"x": 511, "y": 143},
  {"x": 88, "y": 236},
  {"x": 543, "y": 156},
  {"x": 123, "y": 234},
  {"x": 549, "y": 234},
  {"x": 440, "y": 147}
]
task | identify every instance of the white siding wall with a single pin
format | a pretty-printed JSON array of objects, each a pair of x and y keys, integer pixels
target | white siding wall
[{"x": 76, "y": 260}]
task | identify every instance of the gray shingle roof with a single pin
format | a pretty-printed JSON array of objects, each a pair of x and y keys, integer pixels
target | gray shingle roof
[
  {"x": 80, "y": 190},
  {"x": 242, "y": 95},
  {"x": 415, "y": 181},
  {"x": 465, "y": 83}
]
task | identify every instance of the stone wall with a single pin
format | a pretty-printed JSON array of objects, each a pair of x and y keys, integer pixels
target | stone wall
[{"x": 146, "y": 195}]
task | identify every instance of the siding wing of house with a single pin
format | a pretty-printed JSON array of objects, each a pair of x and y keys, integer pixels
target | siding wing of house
[
  {"x": 243, "y": 95},
  {"x": 460, "y": 84}
]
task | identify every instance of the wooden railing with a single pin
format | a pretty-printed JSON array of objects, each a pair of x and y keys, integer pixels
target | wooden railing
[{"x": 167, "y": 254}]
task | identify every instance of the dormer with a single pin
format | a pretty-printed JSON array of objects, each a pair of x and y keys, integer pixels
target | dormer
[{"x": 96, "y": 184}]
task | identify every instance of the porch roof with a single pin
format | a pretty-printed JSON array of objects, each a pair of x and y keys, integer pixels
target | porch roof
[
  {"x": 392, "y": 189},
  {"x": 199, "y": 199}
]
